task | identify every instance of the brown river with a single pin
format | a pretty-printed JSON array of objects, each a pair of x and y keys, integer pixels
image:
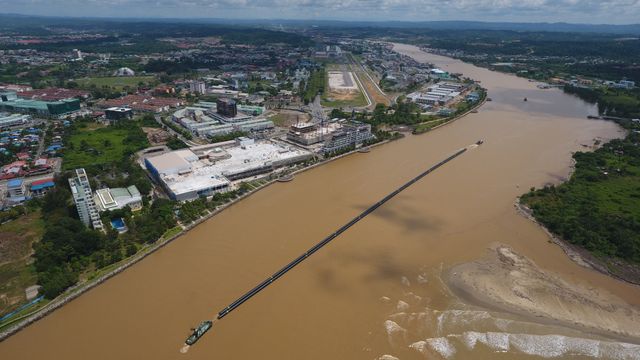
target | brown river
[{"x": 340, "y": 303}]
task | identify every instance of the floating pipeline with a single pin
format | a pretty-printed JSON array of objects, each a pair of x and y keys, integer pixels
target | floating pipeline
[{"x": 249, "y": 294}]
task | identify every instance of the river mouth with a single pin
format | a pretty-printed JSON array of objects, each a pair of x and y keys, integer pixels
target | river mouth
[{"x": 331, "y": 307}]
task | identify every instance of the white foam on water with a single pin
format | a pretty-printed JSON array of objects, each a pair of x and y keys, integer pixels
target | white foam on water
[
  {"x": 551, "y": 346},
  {"x": 387, "y": 357},
  {"x": 402, "y": 306},
  {"x": 471, "y": 338},
  {"x": 396, "y": 334},
  {"x": 420, "y": 346},
  {"x": 405, "y": 281},
  {"x": 619, "y": 351},
  {"x": 540, "y": 345},
  {"x": 451, "y": 321},
  {"x": 413, "y": 298},
  {"x": 184, "y": 349},
  {"x": 422, "y": 278},
  {"x": 442, "y": 346},
  {"x": 392, "y": 327},
  {"x": 498, "y": 341}
]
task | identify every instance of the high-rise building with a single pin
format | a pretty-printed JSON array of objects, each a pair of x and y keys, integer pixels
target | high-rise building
[
  {"x": 198, "y": 87},
  {"x": 227, "y": 107},
  {"x": 83, "y": 198}
]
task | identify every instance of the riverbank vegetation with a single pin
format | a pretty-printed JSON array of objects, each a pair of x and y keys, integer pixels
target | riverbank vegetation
[
  {"x": 611, "y": 102},
  {"x": 598, "y": 209}
]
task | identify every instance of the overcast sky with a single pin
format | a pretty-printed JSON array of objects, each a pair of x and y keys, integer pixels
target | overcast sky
[{"x": 575, "y": 11}]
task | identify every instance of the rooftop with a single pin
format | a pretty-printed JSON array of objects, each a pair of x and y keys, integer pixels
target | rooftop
[{"x": 183, "y": 171}]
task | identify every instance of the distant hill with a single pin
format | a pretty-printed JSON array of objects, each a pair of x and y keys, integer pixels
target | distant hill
[{"x": 18, "y": 21}]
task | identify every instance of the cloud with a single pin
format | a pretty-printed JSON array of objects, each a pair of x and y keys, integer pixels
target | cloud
[{"x": 588, "y": 11}]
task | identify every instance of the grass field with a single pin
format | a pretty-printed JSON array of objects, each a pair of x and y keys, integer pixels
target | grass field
[
  {"x": 116, "y": 82},
  {"x": 94, "y": 146},
  {"x": 426, "y": 126},
  {"x": 16, "y": 271}
]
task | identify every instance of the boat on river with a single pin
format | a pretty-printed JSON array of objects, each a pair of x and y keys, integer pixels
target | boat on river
[{"x": 199, "y": 331}]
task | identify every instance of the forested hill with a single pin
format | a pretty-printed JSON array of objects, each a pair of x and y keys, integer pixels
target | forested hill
[{"x": 147, "y": 29}]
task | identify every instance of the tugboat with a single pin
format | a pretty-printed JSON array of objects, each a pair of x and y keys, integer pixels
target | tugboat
[
  {"x": 198, "y": 332},
  {"x": 480, "y": 142}
]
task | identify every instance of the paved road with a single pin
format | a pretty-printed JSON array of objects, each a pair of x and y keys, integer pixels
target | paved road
[
  {"x": 173, "y": 132},
  {"x": 42, "y": 136}
]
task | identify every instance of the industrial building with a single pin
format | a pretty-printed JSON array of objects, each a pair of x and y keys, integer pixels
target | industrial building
[
  {"x": 83, "y": 198},
  {"x": 118, "y": 198},
  {"x": 207, "y": 169},
  {"x": 438, "y": 94}
]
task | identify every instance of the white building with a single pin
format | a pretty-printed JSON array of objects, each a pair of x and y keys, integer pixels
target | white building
[
  {"x": 83, "y": 198},
  {"x": 8, "y": 120},
  {"x": 124, "y": 71},
  {"x": 197, "y": 87},
  {"x": 207, "y": 169},
  {"x": 202, "y": 119},
  {"x": 351, "y": 134},
  {"x": 118, "y": 198}
]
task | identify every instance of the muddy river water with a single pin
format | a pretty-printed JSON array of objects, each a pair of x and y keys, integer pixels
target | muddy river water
[{"x": 343, "y": 302}]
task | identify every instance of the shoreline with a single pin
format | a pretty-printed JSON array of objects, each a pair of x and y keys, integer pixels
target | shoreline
[
  {"x": 508, "y": 283},
  {"x": 77, "y": 290},
  {"x": 577, "y": 254}
]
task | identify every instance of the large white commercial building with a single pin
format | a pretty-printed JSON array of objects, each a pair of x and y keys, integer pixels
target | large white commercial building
[
  {"x": 204, "y": 170},
  {"x": 83, "y": 198}
]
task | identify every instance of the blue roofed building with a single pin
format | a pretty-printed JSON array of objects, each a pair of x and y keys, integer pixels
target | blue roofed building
[
  {"x": 40, "y": 187},
  {"x": 16, "y": 191}
]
